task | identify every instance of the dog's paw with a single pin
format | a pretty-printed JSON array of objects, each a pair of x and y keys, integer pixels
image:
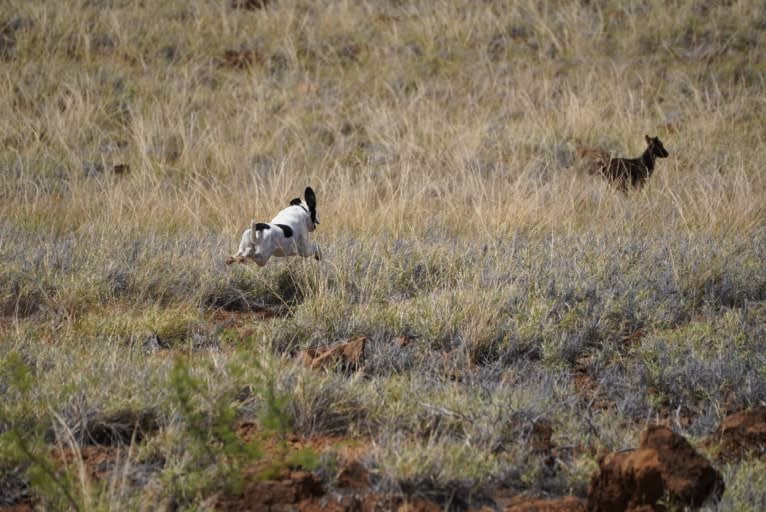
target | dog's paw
[{"x": 230, "y": 260}]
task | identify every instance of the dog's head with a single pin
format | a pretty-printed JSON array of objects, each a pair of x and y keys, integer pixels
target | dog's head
[{"x": 309, "y": 205}]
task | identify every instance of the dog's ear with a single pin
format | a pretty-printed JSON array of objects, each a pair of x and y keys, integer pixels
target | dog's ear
[
  {"x": 311, "y": 198},
  {"x": 311, "y": 201},
  {"x": 648, "y": 139}
]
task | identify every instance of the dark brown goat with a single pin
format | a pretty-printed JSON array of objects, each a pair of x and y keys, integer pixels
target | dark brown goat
[{"x": 627, "y": 173}]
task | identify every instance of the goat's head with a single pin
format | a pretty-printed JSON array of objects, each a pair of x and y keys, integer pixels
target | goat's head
[
  {"x": 655, "y": 147},
  {"x": 311, "y": 202}
]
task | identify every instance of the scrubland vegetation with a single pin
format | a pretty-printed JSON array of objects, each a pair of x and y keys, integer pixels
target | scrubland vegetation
[{"x": 503, "y": 290}]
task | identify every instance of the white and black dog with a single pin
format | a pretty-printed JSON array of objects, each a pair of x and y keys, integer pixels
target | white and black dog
[{"x": 286, "y": 235}]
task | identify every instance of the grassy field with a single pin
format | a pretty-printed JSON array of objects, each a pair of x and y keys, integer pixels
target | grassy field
[{"x": 139, "y": 138}]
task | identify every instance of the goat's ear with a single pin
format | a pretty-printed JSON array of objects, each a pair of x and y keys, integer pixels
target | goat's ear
[{"x": 311, "y": 199}]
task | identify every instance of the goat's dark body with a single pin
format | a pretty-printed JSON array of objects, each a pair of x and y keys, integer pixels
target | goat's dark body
[{"x": 627, "y": 173}]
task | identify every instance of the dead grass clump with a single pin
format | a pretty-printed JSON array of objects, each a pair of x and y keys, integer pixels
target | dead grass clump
[
  {"x": 22, "y": 297},
  {"x": 250, "y": 5},
  {"x": 120, "y": 428},
  {"x": 327, "y": 404},
  {"x": 14, "y": 488},
  {"x": 245, "y": 294},
  {"x": 230, "y": 298},
  {"x": 9, "y": 29},
  {"x": 241, "y": 59}
]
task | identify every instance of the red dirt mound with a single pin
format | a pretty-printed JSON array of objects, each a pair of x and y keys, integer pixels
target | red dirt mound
[
  {"x": 664, "y": 465},
  {"x": 366, "y": 503},
  {"x": 568, "y": 504},
  {"x": 354, "y": 476},
  {"x": 742, "y": 434},
  {"x": 95, "y": 459},
  {"x": 275, "y": 495}
]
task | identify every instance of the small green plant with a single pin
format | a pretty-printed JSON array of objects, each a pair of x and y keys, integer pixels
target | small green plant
[
  {"x": 218, "y": 454},
  {"x": 275, "y": 420},
  {"x": 22, "y": 446}
]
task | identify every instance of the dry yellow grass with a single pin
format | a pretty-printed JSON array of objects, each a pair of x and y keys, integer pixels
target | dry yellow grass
[{"x": 403, "y": 118}]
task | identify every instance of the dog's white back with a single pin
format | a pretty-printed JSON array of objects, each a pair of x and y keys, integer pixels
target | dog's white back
[{"x": 286, "y": 235}]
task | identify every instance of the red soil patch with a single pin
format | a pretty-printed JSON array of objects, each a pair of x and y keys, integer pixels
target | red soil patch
[
  {"x": 303, "y": 491},
  {"x": 223, "y": 318},
  {"x": 240, "y": 322},
  {"x": 523, "y": 504},
  {"x": 633, "y": 338},
  {"x": 588, "y": 387},
  {"x": 297, "y": 490},
  {"x": 541, "y": 437},
  {"x": 97, "y": 460},
  {"x": 295, "y": 495},
  {"x": 282, "y": 494},
  {"x": 348, "y": 450},
  {"x": 354, "y": 476},
  {"x": 664, "y": 465},
  {"x": 741, "y": 434},
  {"x": 6, "y": 323}
]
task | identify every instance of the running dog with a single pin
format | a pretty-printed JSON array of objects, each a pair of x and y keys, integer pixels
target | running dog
[{"x": 286, "y": 235}]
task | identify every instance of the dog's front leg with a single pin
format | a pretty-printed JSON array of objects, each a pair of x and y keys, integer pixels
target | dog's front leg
[
  {"x": 261, "y": 259},
  {"x": 237, "y": 258},
  {"x": 306, "y": 248}
]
